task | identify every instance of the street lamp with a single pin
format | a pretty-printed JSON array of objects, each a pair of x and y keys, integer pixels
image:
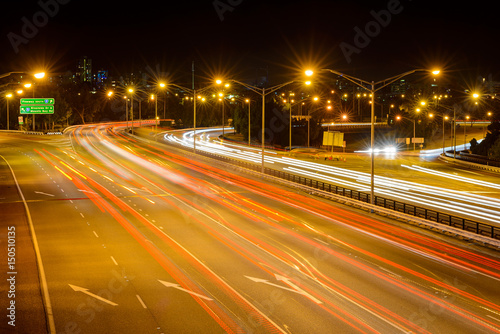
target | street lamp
[
  {"x": 131, "y": 92},
  {"x": 7, "y": 97},
  {"x": 373, "y": 87},
  {"x": 249, "y": 103},
  {"x": 40, "y": 75},
  {"x": 155, "y": 98},
  {"x": 221, "y": 98},
  {"x": 290, "y": 100},
  {"x": 314, "y": 99},
  {"x": 465, "y": 131},
  {"x": 194, "y": 92},
  {"x": 37, "y": 76},
  {"x": 398, "y": 118},
  {"x": 263, "y": 92}
]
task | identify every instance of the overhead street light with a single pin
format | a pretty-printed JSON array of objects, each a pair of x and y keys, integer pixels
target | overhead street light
[
  {"x": 39, "y": 75},
  {"x": 154, "y": 97},
  {"x": 372, "y": 87},
  {"x": 194, "y": 92},
  {"x": 263, "y": 92},
  {"x": 7, "y": 97}
]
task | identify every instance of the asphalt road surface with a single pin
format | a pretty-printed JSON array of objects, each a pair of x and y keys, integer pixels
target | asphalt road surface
[{"x": 138, "y": 237}]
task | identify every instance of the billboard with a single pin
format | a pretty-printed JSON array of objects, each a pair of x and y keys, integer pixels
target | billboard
[{"x": 333, "y": 138}]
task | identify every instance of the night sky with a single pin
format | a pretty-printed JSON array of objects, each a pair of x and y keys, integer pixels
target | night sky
[{"x": 243, "y": 37}]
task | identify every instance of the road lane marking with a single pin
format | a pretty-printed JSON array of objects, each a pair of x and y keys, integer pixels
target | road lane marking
[
  {"x": 140, "y": 301},
  {"x": 86, "y": 291},
  {"x": 323, "y": 242},
  {"x": 87, "y": 191},
  {"x": 41, "y": 271},
  {"x": 95, "y": 234},
  {"x": 114, "y": 261},
  {"x": 42, "y": 193},
  {"x": 496, "y": 319}
]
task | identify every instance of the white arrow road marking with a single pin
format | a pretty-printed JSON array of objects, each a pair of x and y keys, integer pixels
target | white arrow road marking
[
  {"x": 41, "y": 193},
  {"x": 178, "y": 287},
  {"x": 299, "y": 290},
  {"x": 260, "y": 280},
  {"x": 86, "y": 291},
  {"x": 285, "y": 280}
]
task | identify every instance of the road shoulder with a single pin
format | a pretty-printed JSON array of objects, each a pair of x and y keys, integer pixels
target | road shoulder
[{"x": 20, "y": 284}]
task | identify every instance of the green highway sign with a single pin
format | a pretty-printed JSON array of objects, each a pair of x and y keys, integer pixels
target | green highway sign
[
  {"x": 37, "y": 101},
  {"x": 37, "y": 105},
  {"x": 48, "y": 109}
]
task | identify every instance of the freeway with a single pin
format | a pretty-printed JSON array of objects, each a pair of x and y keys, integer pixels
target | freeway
[
  {"x": 138, "y": 237},
  {"x": 421, "y": 180}
]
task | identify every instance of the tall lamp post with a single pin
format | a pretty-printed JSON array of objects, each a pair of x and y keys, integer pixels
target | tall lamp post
[
  {"x": 398, "y": 118},
  {"x": 443, "y": 118},
  {"x": 131, "y": 92},
  {"x": 372, "y": 87},
  {"x": 7, "y": 97},
  {"x": 249, "y": 103},
  {"x": 161, "y": 85},
  {"x": 221, "y": 98},
  {"x": 154, "y": 97},
  {"x": 290, "y": 101},
  {"x": 263, "y": 92},
  {"x": 195, "y": 97},
  {"x": 37, "y": 76}
]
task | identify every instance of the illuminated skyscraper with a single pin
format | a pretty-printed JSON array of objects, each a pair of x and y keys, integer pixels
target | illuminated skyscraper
[{"x": 84, "y": 71}]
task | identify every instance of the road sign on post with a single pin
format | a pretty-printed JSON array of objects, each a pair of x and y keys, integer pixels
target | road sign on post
[
  {"x": 48, "y": 109},
  {"x": 417, "y": 140},
  {"x": 333, "y": 138},
  {"x": 37, "y": 101},
  {"x": 37, "y": 106}
]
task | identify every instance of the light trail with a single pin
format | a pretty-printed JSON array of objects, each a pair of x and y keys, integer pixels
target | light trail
[
  {"x": 417, "y": 193},
  {"x": 262, "y": 214},
  {"x": 453, "y": 176}
]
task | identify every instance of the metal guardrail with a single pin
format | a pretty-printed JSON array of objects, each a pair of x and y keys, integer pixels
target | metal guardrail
[
  {"x": 448, "y": 156},
  {"x": 37, "y": 133},
  {"x": 479, "y": 159},
  {"x": 483, "y": 229}
]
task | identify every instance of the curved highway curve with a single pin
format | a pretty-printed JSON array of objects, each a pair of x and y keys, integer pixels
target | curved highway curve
[{"x": 140, "y": 237}]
